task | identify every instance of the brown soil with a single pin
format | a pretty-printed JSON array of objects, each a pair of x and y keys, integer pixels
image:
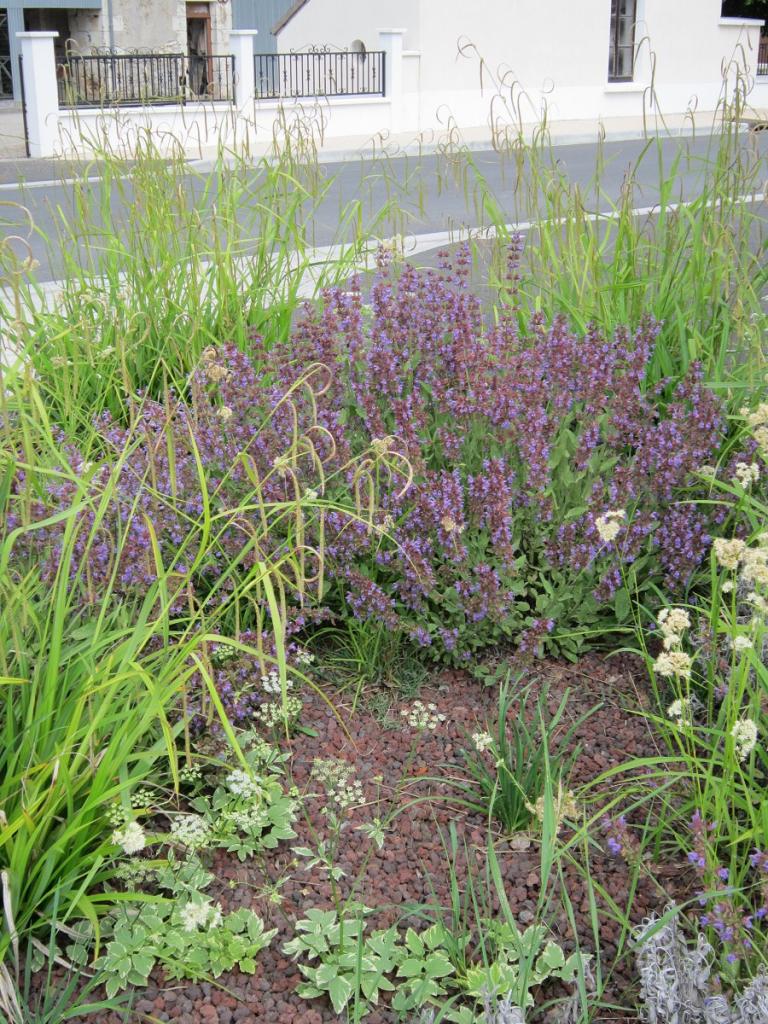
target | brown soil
[{"x": 411, "y": 869}]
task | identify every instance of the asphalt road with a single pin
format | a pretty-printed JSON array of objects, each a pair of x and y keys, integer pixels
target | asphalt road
[{"x": 431, "y": 192}]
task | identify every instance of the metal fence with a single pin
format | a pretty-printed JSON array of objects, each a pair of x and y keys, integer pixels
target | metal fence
[
  {"x": 119, "y": 79},
  {"x": 320, "y": 73},
  {"x": 762, "y": 56}
]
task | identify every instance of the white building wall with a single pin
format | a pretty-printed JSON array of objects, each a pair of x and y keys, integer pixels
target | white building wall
[
  {"x": 518, "y": 60},
  {"x": 341, "y": 22}
]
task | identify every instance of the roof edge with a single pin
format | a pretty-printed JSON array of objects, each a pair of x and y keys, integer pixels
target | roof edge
[{"x": 292, "y": 10}]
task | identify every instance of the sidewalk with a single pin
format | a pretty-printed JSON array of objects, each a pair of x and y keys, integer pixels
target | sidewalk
[
  {"x": 479, "y": 139},
  {"x": 15, "y": 166},
  {"x": 11, "y": 132}
]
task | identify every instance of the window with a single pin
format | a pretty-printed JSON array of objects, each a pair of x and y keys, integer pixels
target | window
[{"x": 621, "y": 55}]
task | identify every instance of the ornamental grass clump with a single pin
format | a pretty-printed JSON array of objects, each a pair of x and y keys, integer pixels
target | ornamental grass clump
[
  {"x": 510, "y": 762},
  {"x": 132, "y": 565},
  {"x": 704, "y": 799},
  {"x": 187, "y": 504}
]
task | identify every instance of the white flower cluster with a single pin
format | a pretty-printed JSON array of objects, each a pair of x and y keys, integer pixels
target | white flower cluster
[
  {"x": 608, "y": 525},
  {"x": 190, "y": 830},
  {"x": 422, "y": 716},
  {"x": 681, "y": 711},
  {"x": 758, "y": 422},
  {"x": 741, "y": 643},
  {"x": 190, "y": 773},
  {"x": 387, "y": 524},
  {"x": 259, "y": 748},
  {"x": 753, "y": 561},
  {"x": 482, "y": 741},
  {"x": 200, "y": 914},
  {"x": 673, "y": 622},
  {"x": 330, "y": 770},
  {"x": 744, "y": 735},
  {"x": 335, "y": 776},
  {"x": 274, "y": 714},
  {"x": 223, "y": 653},
  {"x": 349, "y": 794},
  {"x": 271, "y": 682},
  {"x": 728, "y": 552},
  {"x": 241, "y": 784},
  {"x": 252, "y": 819},
  {"x": 304, "y": 658},
  {"x": 131, "y": 837},
  {"x": 214, "y": 370},
  {"x": 142, "y": 799},
  {"x": 116, "y": 815},
  {"x": 746, "y": 474},
  {"x": 450, "y": 525},
  {"x": 564, "y": 806},
  {"x": 673, "y": 664}
]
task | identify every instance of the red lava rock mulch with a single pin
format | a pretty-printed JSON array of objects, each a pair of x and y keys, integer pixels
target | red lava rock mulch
[{"x": 411, "y": 868}]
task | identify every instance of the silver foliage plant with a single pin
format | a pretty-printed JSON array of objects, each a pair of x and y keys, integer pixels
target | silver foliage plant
[
  {"x": 495, "y": 1011},
  {"x": 501, "y": 1011},
  {"x": 677, "y": 984}
]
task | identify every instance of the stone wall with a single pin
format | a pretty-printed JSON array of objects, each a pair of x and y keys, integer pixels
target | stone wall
[{"x": 156, "y": 25}]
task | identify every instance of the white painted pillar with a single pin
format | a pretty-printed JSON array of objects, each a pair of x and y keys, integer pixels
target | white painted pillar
[
  {"x": 41, "y": 96},
  {"x": 242, "y": 44},
  {"x": 391, "y": 42}
]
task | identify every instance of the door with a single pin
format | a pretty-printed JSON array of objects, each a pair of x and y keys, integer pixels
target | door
[{"x": 199, "y": 49}]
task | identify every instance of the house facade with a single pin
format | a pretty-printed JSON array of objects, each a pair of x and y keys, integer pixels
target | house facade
[
  {"x": 261, "y": 15},
  {"x": 527, "y": 59},
  {"x": 88, "y": 26}
]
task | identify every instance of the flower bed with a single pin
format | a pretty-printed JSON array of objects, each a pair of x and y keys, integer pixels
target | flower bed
[{"x": 280, "y": 743}]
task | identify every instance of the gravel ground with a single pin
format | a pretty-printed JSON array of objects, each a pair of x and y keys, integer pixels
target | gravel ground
[{"x": 411, "y": 868}]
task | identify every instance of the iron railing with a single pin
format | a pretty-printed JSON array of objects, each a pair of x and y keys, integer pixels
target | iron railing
[
  {"x": 121, "y": 79},
  {"x": 320, "y": 73},
  {"x": 762, "y": 56}
]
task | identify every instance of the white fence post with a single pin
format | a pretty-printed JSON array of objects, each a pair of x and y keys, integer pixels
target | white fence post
[
  {"x": 41, "y": 96},
  {"x": 391, "y": 40},
  {"x": 241, "y": 43}
]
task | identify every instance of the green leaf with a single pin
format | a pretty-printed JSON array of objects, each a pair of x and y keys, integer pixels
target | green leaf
[
  {"x": 112, "y": 985},
  {"x": 437, "y": 966},
  {"x": 622, "y": 604},
  {"x": 142, "y": 964},
  {"x": 325, "y": 973},
  {"x": 411, "y": 968},
  {"x": 552, "y": 956},
  {"x": 303, "y": 851},
  {"x": 414, "y": 943},
  {"x": 307, "y": 991},
  {"x": 339, "y": 990}
]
